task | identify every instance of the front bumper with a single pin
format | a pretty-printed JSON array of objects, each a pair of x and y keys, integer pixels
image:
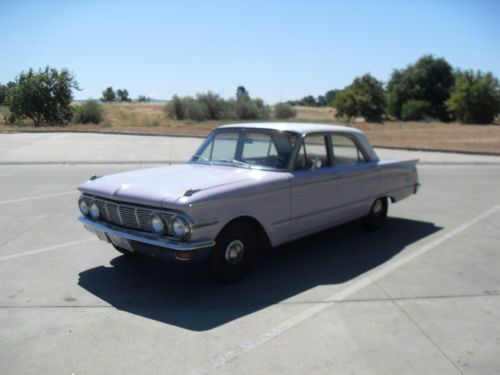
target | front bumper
[{"x": 148, "y": 244}]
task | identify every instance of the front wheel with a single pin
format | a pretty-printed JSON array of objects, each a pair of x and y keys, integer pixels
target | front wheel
[
  {"x": 234, "y": 253},
  {"x": 377, "y": 215}
]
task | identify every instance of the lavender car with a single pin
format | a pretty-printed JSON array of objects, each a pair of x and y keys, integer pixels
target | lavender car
[{"x": 248, "y": 187}]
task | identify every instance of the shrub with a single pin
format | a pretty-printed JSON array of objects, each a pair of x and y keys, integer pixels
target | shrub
[
  {"x": 177, "y": 108},
  {"x": 89, "y": 112},
  {"x": 246, "y": 109},
  {"x": 284, "y": 111},
  {"x": 415, "y": 110},
  {"x": 214, "y": 103},
  {"x": 196, "y": 110},
  {"x": 210, "y": 106},
  {"x": 475, "y": 97}
]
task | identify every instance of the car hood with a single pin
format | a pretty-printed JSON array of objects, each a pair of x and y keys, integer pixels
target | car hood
[{"x": 165, "y": 186}]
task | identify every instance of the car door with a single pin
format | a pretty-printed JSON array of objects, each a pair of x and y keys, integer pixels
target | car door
[
  {"x": 313, "y": 187},
  {"x": 359, "y": 181}
]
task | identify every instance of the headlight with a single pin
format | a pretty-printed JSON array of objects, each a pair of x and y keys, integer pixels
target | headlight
[
  {"x": 181, "y": 227},
  {"x": 94, "y": 211},
  {"x": 84, "y": 207},
  {"x": 157, "y": 224}
]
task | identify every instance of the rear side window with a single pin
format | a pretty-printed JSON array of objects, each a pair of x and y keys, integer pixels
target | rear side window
[
  {"x": 345, "y": 151},
  {"x": 314, "y": 151}
]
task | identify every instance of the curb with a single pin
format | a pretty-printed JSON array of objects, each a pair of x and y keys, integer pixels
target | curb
[
  {"x": 142, "y": 134},
  {"x": 464, "y": 152},
  {"x": 173, "y": 162}
]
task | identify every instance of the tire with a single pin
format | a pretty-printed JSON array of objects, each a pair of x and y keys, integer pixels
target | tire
[
  {"x": 234, "y": 253},
  {"x": 377, "y": 215}
]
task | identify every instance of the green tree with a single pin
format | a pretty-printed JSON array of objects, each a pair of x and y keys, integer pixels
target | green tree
[
  {"x": 321, "y": 101},
  {"x": 3, "y": 93},
  {"x": 364, "y": 97},
  {"x": 330, "y": 96},
  {"x": 241, "y": 91},
  {"x": 108, "y": 95},
  {"x": 430, "y": 79},
  {"x": 415, "y": 110},
  {"x": 475, "y": 97},
  {"x": 122, "y": 95},
  {"x": 308, "y": 101},
  {"x": 346, "y": 103},
  {"x": 143, "y": 98},
  {"x": 44, "y": 96}
]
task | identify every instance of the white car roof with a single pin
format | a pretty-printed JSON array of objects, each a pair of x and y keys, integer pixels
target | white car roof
[
  {"x": 298, "y": 127},
  {"x": 307, "y": 128}
]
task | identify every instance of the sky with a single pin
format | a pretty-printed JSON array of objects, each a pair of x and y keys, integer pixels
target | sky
[{"x": 278, "y": 50}]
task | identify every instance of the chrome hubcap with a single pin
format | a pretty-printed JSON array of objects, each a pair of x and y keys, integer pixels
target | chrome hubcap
[
  {"x": 234, "y": 252},
  {"x": 378, "y": 208}
]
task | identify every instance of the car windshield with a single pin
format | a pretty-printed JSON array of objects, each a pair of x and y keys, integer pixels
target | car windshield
[{"x": 247, "y": 149}]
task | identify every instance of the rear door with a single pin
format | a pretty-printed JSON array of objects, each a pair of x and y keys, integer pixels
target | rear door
[
  {"x": 314, "y": 184},
  {"x": 359, "y": 180}
]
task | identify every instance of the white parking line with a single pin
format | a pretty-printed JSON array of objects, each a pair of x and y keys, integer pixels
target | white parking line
[
  {"x": 48, "y": 248},
  {"x": 359, "y": 284},
  {"x": 39, "y": 197}
]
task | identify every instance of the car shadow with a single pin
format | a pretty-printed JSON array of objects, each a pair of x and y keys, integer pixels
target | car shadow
[{"x": 183, "y": 295}]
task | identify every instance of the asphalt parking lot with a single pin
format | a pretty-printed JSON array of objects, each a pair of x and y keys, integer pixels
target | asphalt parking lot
[{"x": 421, "y": 296}]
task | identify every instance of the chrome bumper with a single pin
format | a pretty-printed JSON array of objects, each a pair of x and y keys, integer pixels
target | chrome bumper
[{"x": 99, "y": 228}]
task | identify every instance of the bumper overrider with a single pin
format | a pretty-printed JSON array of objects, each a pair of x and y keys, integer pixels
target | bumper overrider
[{"x": 147, "y": 243}]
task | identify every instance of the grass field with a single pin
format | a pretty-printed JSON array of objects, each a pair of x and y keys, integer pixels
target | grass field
[{"x": 150, "y": 118}]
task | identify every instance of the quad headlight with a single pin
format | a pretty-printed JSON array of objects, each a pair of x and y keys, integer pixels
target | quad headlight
[
  {"x": 84, "y": 207},
  {"x": 94, "y": 211},
  {"x": 181, "y": 228},
  {"x": 157, "y": 224}
]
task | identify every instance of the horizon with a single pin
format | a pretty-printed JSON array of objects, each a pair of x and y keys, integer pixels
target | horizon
[{"x": 277, "y": 51}]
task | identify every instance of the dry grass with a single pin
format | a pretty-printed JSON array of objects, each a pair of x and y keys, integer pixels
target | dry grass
[{"x": 150, "y": 118}]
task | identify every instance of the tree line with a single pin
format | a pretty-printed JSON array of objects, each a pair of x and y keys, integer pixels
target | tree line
[{"x": 427, "y": 89}]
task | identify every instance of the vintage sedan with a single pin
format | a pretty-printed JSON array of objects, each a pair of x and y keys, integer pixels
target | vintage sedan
[{"x": 248, "y": 187}]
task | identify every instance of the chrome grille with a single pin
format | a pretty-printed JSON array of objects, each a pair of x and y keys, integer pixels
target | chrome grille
[{"x": 126, "y": 215}]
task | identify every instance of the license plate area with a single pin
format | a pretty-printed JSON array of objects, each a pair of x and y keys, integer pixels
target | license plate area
[{"x": 120, "y": 242}]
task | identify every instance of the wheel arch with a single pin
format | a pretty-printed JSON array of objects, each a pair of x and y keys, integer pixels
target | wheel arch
[{"x": 257, "y": 227}]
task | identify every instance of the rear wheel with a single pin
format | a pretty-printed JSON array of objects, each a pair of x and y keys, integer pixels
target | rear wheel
[
  {"x": 377, "y": 215},
  {"x": 234, "y": 253}
]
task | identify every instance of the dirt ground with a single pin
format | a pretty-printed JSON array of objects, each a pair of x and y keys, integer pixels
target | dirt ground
[{"x": 150, "y": 118}]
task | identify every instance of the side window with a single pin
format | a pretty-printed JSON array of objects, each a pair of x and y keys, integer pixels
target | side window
[
  {"x": 313, "y": 153},
  {"x": 345, "y": 151},
  {"x": 222, "y": 147}
]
